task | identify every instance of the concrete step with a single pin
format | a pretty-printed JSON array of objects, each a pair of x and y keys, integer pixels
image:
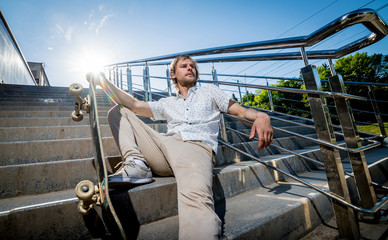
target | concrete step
[
  {"x": 38, "y": 178},
  {"x": 16, "y": 134},
  {"x": 235, "y": 137},
  {"x": 65, "y": 108},
  {"x": 48, "y": 99},
  {"x": 284, "y": 210},
  {"x": 152, "y": 201},
  {"x": 44, "y": 121},
  {"x": 46, "y": 103},
  {"x": 26, "y": 152},
  {"x": 41, "y": 168},
  {"x": 227, "y": 156},
  {"x": 43, "y": 113},
  {"x": 54, "y": 218}
]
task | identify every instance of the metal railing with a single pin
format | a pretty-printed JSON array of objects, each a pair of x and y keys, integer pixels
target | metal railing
[{"x": 316, "y": 96}]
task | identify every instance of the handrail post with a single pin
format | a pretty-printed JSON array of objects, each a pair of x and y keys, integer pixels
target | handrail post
[
  {"x": 146, "y": 83},
  {"x": 345, "y": 217},
  {"x": 109, "y": 74},
  {"x": 129, "y": 80},
  {"x": 168, "y": 81},
  {"x": 360, "y": 169},
  {"x": 117, "y": 77},
  {"x": 121, "y": 78},
  {"x": 114, "y": 75},
  {"x": 270, "y": 97},
  {"x": 214, "y": 75},
  {"x": 239, "y": 92},
  {"x": 376, "y": 110},
  {"x": 224, "y": 135}
]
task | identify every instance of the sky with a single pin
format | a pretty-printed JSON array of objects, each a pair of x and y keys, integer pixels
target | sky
[{"x": 74, "y": 36}]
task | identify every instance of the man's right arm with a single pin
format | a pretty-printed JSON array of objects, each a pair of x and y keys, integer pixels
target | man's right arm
[{"x": 120, "y": 97}]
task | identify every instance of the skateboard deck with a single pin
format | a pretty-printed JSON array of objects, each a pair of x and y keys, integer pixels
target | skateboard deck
[{"x": 91, "y": 195}]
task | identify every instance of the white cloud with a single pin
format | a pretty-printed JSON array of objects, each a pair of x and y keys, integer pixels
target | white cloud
[
  {"x": 69, "y": 33},
  {"x": 102, "y": 22}
]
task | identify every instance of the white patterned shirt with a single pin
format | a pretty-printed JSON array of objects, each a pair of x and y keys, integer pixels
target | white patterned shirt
[{"x": 195, "y": 118}]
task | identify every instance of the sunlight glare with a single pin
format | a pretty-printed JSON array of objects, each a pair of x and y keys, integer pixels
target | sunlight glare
[{"x": 89, "y": 61}]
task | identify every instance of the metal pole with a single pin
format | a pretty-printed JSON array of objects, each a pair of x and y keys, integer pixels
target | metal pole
[
  {"x": 239, "y": 92},
  {"x": 145, "y": 82},
  {"x": 360, "y": 169},
  {"x": 114, "y": 75},
  {"x": 117, "y": 77},
  {"x": 346, "y": 220},
  {"x": 376, "y": 110},
  {"x": 129, "y": 80},
  {"x": 224, "y": 135},
  {"x": 270, "y": 97},
  {"x": 214, "y": 75},
  {"x": 168, "y": 81},
  {"x": 121, "y": 78}
]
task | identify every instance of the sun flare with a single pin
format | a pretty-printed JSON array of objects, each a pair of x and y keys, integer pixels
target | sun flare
[{"x": 89, "y": 61}]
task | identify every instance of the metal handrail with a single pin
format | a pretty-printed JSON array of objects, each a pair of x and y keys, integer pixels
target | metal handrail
[
  {"x": 321, "y": 164},
  {"x": 333, "y": 196},
  {"x": 368, "y": 17},
  {"x": 289, "y": 90},
  {"x": 373, "y": 143}
]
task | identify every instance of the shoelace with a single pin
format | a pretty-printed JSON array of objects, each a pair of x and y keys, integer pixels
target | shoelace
[{"x": 124, "y": 163}]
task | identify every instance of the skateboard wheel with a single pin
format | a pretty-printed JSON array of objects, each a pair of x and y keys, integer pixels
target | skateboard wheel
[
  {"x": 85, "y": 190},
  {"x": 76, "y": 117},
  {"x": 75, "y": 89},
  {"x": 82, "y": 210}
]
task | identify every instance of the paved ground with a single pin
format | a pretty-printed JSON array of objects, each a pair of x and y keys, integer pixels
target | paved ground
[{"x": 328, "y": 230}]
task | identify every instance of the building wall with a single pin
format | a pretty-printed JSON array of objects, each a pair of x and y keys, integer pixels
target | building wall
[{"x": 13, "y": 67}]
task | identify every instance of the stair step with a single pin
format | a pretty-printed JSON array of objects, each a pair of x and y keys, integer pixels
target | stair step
[
  {"x": 26, "y": 152},
  {"x": 43, "y": 113},
  {"x": 64, "y": 108},
  {"x": 152, "y": 201},
  {"x": 38, "y": 178},
  {"x": 14, "y": 134},
  {"x": 284, "y": 210},
  {"x": 158, "y": 200},
  {"x": 47, "y": 103},
  {"x": 42, "y": 121},
  {"x": 46, "y": 216}
]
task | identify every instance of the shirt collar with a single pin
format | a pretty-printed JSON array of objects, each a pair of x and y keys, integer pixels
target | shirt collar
[{"x": 191, "y": 90}]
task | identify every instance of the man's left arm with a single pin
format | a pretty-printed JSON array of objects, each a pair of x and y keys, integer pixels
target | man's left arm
[{"x": 261, "y": 123}]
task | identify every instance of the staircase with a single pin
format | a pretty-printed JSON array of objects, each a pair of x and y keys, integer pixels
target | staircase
[{"x": 44, "y": 154}]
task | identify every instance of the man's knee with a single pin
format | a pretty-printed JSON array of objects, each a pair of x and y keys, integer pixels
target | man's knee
[{"x": 114, "y": 111}]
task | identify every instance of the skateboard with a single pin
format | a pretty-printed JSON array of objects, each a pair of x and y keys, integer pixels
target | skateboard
[{"x": 91, "y": 195}]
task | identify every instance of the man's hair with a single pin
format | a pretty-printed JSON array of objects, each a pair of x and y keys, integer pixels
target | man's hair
[{"x": 173, "y": 66}]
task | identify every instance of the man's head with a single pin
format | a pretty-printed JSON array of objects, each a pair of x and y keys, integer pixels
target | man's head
[{"x": 183, "y": 68}]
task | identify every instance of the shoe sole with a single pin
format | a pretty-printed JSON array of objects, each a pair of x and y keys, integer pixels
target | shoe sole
[{"x": 128, "y": 181}]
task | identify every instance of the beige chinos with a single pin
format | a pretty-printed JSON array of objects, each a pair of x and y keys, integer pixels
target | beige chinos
[{"x": 189, "y": 161}]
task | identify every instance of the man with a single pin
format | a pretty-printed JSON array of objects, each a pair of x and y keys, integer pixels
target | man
[{"x": 188, "y": 148}]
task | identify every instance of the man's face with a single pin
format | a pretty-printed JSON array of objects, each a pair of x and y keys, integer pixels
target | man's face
[{"x": 185, "y": 72}]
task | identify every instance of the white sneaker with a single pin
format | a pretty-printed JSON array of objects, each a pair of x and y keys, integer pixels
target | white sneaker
[{"x": 130, "y": 173}]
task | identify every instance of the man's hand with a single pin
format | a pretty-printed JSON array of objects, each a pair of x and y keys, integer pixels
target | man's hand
[
  {"x": 262, "y": 127},
  {"x": 261, "y": 123},
  {"x": 96, "y": 77}
]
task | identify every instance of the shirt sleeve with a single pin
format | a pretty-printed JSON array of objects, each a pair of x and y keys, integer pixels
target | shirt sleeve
[
  {"x": 220, "y": 98},
  {"x": 157, "y": 109}
]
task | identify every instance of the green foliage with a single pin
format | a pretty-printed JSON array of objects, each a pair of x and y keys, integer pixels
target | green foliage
[{"x": 289, "y": 103}]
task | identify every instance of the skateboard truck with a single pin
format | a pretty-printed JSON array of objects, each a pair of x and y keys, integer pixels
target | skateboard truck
[
  {"x": 80, "y": 104},
  {"x": 88, "y": 194}
]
